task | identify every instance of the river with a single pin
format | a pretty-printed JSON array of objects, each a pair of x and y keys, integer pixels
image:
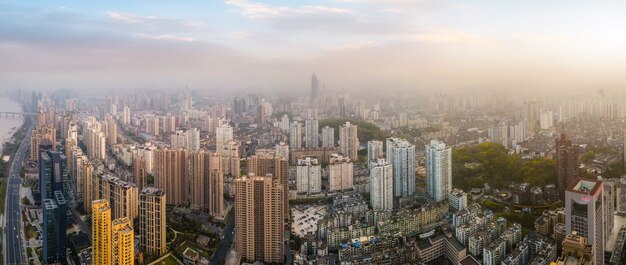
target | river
[{"x": 8, "y": 125}]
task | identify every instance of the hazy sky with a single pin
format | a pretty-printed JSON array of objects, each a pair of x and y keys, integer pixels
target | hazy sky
[{"x": 276, "y": 45}]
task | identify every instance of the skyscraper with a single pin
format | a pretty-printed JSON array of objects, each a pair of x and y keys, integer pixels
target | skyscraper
[
  {"x": 381, "y": 186},
  {"x": 584, "y": 214},
  {"x": 261, "y": 165},
  {"x": 39, "y": 136},
  {"x": 340, "y": 173},
  {"x": 349, "y": 141},
  {"x": 566, "y": 157},
  {"x": 311, "y": 133},
  {"x": 110, "y": 129},
  {"x": 123, "y": 242},
  {"x": 328, "y": 137},
  {"x": 126, "y": 116},
  {"x": 259, "y": 209},
  {"x": 152, "y": 217},
  {"x": 438, "y": 170},
  {"x": 308, "y": 176},
  {"x": 401, "y": 155},
  {"x": 315, "y": 88},
  {"x": 52, "y": 173},
  {"x": 189, "y": 139},
  {"x": 122, "y": 196},
  {"x": 295, "y": 135},
  {"x": 101, "y": 233},
  {"x": 54, "y": 227}
]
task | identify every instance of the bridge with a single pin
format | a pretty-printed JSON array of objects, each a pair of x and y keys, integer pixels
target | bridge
[{"x": 10, "y": 114}]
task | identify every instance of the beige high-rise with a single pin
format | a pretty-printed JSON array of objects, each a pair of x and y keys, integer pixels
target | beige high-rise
[
  {"x": 261, "y": 165},
  {"x": 259, "y": 209},
  {"x": 216, "y": 193},
  {"x": 123, "y": 246},
  {"x": 152, "y": 217},
  {"x": 121, "y": 195},
  {"x": 206, "y": 181},
  {"x": 110, "y": 130},
  {"x": 101, "y": 233},
  {"x": 87, "y": 183},
  {"x": 39, "y": 136},
  {"x": 171, "y": 174},
  {"x": 349, "y": 141}
]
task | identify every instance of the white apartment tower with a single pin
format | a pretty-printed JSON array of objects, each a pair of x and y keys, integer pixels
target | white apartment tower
[
  {"x": 401, "y": 155},
  {"x": 381, "y": 186},
  {"x": 438, "y": 170}
]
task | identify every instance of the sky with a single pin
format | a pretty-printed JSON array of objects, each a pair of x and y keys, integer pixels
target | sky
[{"x": 352, "y": 45}]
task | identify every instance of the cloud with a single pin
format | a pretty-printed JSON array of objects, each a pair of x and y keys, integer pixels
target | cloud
[
  {"x": 263, "y": 11},
  {"x": 450, "y": 36},
  {"x": 166, "y": 37}
]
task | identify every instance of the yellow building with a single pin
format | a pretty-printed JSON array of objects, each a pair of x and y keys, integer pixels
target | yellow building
[
  {"x": 123, "y": 247},
  {"x": 100, "y": 233}
]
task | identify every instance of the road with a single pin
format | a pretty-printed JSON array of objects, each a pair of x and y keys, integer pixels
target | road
[
  {"x": 222, "y": 249},
  {"x": 13, "y": 228}
]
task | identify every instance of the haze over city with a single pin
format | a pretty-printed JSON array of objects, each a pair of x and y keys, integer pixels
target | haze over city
[
  {"x": 333, "y": 132},
  {"x": 272, "y": 46}
]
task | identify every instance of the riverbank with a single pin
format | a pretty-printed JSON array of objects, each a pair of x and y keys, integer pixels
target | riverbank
[{"x": 9, "y": 125}]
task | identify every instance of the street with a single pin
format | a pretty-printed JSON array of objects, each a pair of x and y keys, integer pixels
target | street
[
  {"x": 222, "y": 249},
  {"x": 13, "y": 226}
]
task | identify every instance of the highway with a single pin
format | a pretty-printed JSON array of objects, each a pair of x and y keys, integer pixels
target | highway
[{"x": 13, "y": 228}]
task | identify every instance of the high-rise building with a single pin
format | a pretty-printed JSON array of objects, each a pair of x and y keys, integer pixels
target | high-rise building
[
  {"x": 259, "y": 215},
  {"x": 171, "y": 172},
  {"x": 101, "y": 233},
  {"x": 261, "y": 165},
  {"x": 223, "y": 135},
  {"x": 52, "y": 173},
  {"x": 566, "y": 157},
  {"x": 546, "y": 120},
  {"x": 87, "y": 183},
  {"x": 152, "y": 217},
  {"x": 295, "y": 135},
  {"x": 123, "y": 242},
  {"x": 328, "y": 137},
  {"x": 349, "y": 141},
  {"x": 110, "y": 129},
  {"x": 122, "y": 196},
  {"x": 282, "y": 150},
  {"x": 311, "y": 133},
  {"x": 42, "y": 135},
  {"x": 54, "y": 227},
  {"x": 309, "y": 176},
  {"x": 401, "y": 155},
  {"x": 381, "y": 186},
  {"x": 126, "y": 116},
  {"x": 215, "y": 192},
  {"x": 532, "y": 112},
  {"x": 340, "y": 173},
  {"x": 152, "y": 126},
  {"x": 584, "y": 214},
  {"x": 438, "y": 170},
  {"x": 206, "y": 182},
  {"x": 284, "y": 123},
  {"x": 189, "y": 140},
  {"x": 169, "y": 123},
  {"x": 315, "y": 88},
  {"x": 230, "y": 159},
  {"x": 374, "y": 151}
]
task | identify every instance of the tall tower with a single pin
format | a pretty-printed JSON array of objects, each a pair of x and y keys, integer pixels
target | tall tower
[
  {"x": 381, "y": 186},
  {"x": 101, "y": 233},
  {"x": 566, "y": 157},
  {"x": 340, "y": 173},
  {"x": 349, "y": 141},
  {"x": 315, "y": 88},
  {"x": 584, "y": 214},
  {"x": 259, "y": 219},
  {"x": 152, "y": 219},
  {"x": 401, "y": 155},
  {"x": 438, "y": 170},
  {"x": 123, "y": 247},
  {"x": 52, "y": 173}
]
